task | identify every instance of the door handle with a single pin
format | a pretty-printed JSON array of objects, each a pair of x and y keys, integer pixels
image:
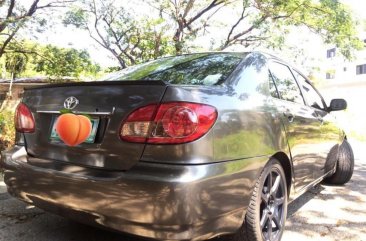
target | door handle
[
  {"x": 319, "y": 118},
  {"x": 289, "y": 116}
]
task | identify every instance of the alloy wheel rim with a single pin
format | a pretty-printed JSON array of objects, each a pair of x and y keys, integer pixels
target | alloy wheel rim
[{"x": 272, "y": 206}]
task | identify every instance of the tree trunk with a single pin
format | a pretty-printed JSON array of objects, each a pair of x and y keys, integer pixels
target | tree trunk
[
  {"x": 157, "y": 45},
  {"x": 121, "y": 62},
  {"x": 11, "y": 84},
  {"x": 178, "y": 38}
]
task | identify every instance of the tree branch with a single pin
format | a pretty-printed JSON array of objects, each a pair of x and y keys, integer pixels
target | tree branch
[
  {"x": 32, "y": 9},
  {"x": 7, "y": 41},
  {"x": 242, "y": 17},
  {"x": 114, "y": 34},
  {"x": 213, "y": 4},
  {"x": 57, "y": 4},
  {"x": 103, "y": 42},
  {"x": 10, "y": 9},
  {"x": 29, "y": 52},
  {"x": 188, "y": 8},
  {"x": 248, "y": 30}
]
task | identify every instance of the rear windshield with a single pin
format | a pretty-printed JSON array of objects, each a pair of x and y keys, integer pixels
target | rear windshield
[{"x": 194, "y": 69}]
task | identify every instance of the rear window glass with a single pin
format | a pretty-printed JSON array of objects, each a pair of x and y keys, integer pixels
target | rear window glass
[{"x": 194, "y": 69}]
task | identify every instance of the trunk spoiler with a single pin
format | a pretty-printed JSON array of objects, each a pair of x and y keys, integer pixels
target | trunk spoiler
[{"x": 104, "y": 83}]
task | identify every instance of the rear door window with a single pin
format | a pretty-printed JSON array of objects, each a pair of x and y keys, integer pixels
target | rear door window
[
  {"x": 285, "y": 83},
  {"x": 311, "y": 95},
  {"x": 272, "y": 87}
]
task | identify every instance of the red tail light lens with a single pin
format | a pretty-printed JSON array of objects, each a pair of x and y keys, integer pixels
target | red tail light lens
[
  {"x": 24, "y": 121},
  {"x": 174, "y": 122},
  {"x": 179, "y": 121}
]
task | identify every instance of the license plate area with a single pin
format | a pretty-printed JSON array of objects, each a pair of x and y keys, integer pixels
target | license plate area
[{"x": 54, "y": 137}]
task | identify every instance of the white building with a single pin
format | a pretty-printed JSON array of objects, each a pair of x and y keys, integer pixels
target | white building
[
  {"x": 346, "y": 79},
  {"x": 338, "y": 70}
]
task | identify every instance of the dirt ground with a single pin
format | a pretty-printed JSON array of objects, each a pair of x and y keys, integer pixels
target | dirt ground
[{"x": 324, "y": 213}]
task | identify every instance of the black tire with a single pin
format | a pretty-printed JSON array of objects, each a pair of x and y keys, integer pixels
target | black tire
[
  {"x": 267, "y": 209},
  {"x": 344, "y": 166}
]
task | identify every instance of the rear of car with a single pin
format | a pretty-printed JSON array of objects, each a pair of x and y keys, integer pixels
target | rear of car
[{"x": 161, "y": 160}]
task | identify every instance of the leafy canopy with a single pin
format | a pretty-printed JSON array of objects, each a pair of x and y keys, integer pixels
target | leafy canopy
[
  {"x": 129, "y": 37},
  {"x": 57, "y": 62},
  {"x": 173, "y": 27},
  {"x": 330, "y": 19}
]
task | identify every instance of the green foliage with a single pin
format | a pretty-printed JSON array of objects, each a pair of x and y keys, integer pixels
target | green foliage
[
  {"x": 27, "y": 59},
  {"x": 152, "y": 43},
  {"x": 170, "y": 27},
  {"x": 113, "y": 69},
  {"x": 18, "y": 59},
  {"x": 30, "y": 17},
  {"x": 76, "y": 17},
  {"x": 58, "y": 62},
  {"x": 15, "y": 63},
  {"x": 330, "y": 19},
  {"x": 264, "y": 22},
  {"x": 356, "y": 134},
  {"x": 7, "y": 131}
]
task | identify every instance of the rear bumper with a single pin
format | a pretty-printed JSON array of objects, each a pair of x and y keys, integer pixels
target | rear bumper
[{"x": 169, "y": 202}]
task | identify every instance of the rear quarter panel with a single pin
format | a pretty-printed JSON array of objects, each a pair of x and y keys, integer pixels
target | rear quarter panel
[{"x": 248, "y": 123}]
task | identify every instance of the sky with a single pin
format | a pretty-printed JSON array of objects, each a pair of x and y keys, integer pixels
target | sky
[{"x": 71, "y": 37}]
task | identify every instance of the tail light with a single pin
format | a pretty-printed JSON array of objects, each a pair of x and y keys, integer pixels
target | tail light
[
  {"x": 168, "y": 123},
  {"x": 24, "y": 121},
  {"x": 136, "y": 127}
]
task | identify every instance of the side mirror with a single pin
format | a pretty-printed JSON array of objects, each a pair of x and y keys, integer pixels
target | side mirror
[{"x": 337, "y": 104}]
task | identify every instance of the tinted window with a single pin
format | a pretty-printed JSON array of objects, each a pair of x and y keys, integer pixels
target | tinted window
[
  {"x": 286, "y": 85},
  {"x": 310, "y": 94},
  {"x": 194, "y": 69}
]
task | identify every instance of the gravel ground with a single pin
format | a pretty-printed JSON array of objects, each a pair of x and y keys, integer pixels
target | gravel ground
[{"x": 324, "y": 213}]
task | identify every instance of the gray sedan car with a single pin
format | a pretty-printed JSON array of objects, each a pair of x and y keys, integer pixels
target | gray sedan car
[{"x": 181, "y": 148}]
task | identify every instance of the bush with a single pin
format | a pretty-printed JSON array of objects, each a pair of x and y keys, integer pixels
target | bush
[{"x": 7, "y": 131}]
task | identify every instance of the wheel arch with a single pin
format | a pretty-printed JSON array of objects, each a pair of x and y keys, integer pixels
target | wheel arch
[{"x": 287, "y": 168}]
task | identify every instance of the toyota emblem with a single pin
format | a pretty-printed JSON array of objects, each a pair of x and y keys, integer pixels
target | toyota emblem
[{"x": 71, "y": 102}]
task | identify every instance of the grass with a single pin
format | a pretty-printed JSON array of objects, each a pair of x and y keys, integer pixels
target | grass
[{"x": 357, "y": 135}]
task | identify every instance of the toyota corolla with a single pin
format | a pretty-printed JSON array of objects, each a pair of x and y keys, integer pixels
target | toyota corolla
[{"x": 187, "y": 147}]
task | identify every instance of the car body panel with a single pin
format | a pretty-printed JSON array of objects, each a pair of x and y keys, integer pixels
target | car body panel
[{"x": 182, "y": 202}]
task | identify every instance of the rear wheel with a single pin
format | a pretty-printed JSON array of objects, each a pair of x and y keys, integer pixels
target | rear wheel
[
  {"x": 344, "y": 166},
  {"x": 266, "y": 214}
]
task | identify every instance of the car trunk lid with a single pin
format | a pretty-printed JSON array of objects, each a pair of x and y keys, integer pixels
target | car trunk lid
[{"x": 107, "y": 102}]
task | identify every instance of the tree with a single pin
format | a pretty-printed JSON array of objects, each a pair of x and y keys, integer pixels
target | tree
[
  {"x": 328, "y": 18},
  {"x": 18, "y": 14},
  {"x": 259, "y": 21},
  {"x": 29, "y": 58},
  {"x": 189, "y": 17},
  {"x": 172, "y": 27},
  {"x": 128, "y": 38},
  {"x": 62, "y": 62},
  {"x": 15, "y": 64}
]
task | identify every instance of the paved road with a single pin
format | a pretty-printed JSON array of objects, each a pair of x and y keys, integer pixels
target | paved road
[{"x": 322, "y": 214}]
